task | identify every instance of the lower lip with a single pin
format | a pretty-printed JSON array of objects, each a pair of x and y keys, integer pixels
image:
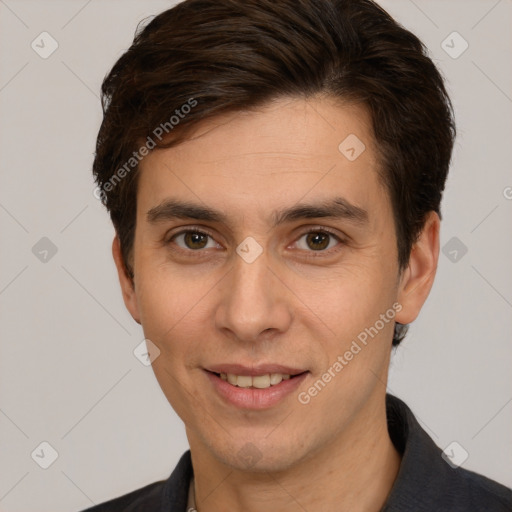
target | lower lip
[{"x": 254, "y": 398}]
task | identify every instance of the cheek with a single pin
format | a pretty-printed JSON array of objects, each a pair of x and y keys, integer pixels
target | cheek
[
  {"x": 348, "y": 296},
  {"x": 356, "y": 355},
  {"x": 348, "y": 306},
  {"x": 172, "y": 305},
  {"x": 165, "y": 292},
  {"x": 174, "y": 317}
]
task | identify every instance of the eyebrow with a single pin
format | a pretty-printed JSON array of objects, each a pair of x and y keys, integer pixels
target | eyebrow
[{"x": 336, "y": 208}]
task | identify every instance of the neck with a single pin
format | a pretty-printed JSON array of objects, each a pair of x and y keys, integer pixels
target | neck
[{"x": 353, "y": 472}]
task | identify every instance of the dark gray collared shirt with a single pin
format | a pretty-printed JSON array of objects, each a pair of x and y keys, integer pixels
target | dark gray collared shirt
[{"x": 425, "y": 481}]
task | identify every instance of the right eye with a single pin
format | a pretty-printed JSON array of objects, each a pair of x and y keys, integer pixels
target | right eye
[{"x": 193, "y": 240}]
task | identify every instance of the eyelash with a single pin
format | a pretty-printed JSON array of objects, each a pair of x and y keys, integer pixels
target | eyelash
[{"x": 312, "y": 254}]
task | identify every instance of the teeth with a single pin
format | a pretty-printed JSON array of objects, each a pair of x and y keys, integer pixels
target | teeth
[
  {"x": 275, "y": 378},
  {"x": 260, "y": 381},
  {"x": 243, "y": 381}
]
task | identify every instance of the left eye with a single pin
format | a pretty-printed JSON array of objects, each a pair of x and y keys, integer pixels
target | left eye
[{"x": 317, "y": 241}]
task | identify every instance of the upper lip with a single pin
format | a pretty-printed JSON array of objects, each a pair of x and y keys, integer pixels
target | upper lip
[{"x": 254, "y": 370}]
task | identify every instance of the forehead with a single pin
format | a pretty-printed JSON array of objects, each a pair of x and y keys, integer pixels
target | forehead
[{"x": 285, "y": 151}]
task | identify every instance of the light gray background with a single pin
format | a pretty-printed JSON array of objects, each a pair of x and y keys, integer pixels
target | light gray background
[{"x": 67, "y": 372}]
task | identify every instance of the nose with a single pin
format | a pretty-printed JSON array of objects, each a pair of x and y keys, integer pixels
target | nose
[{"x": 254, "y": 301}]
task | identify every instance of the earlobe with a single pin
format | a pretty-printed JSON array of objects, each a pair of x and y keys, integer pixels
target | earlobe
[
  {"x": 418, "y": 278},
  {"x": 126, "y": 282}
]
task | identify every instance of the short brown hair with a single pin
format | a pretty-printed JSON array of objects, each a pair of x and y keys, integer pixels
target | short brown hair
[{"x": 232, "y": 55}]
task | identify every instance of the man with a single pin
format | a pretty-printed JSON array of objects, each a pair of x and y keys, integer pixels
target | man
[{"x": 274, "y": 172}]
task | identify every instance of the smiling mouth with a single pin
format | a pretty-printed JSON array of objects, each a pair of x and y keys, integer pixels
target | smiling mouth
[{"x": 264, "y": 381}]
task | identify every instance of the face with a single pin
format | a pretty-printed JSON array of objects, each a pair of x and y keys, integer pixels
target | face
[{"x": 263, "y": 243}]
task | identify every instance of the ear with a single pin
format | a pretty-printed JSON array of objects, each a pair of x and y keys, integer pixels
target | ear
[
  {"x": 126, "y": 282},
  {"x": 417, "y": 279}
]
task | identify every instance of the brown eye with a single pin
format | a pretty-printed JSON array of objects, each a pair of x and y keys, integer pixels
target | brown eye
[
  {"x": 317, "y": 241},
  {"x": 193, "y": 240}
]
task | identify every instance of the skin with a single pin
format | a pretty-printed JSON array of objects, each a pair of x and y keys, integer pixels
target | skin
[{"x": 295, "y": 305}]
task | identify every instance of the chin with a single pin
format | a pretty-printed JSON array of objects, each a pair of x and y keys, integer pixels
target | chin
[{"x": 260, "y": 456}]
